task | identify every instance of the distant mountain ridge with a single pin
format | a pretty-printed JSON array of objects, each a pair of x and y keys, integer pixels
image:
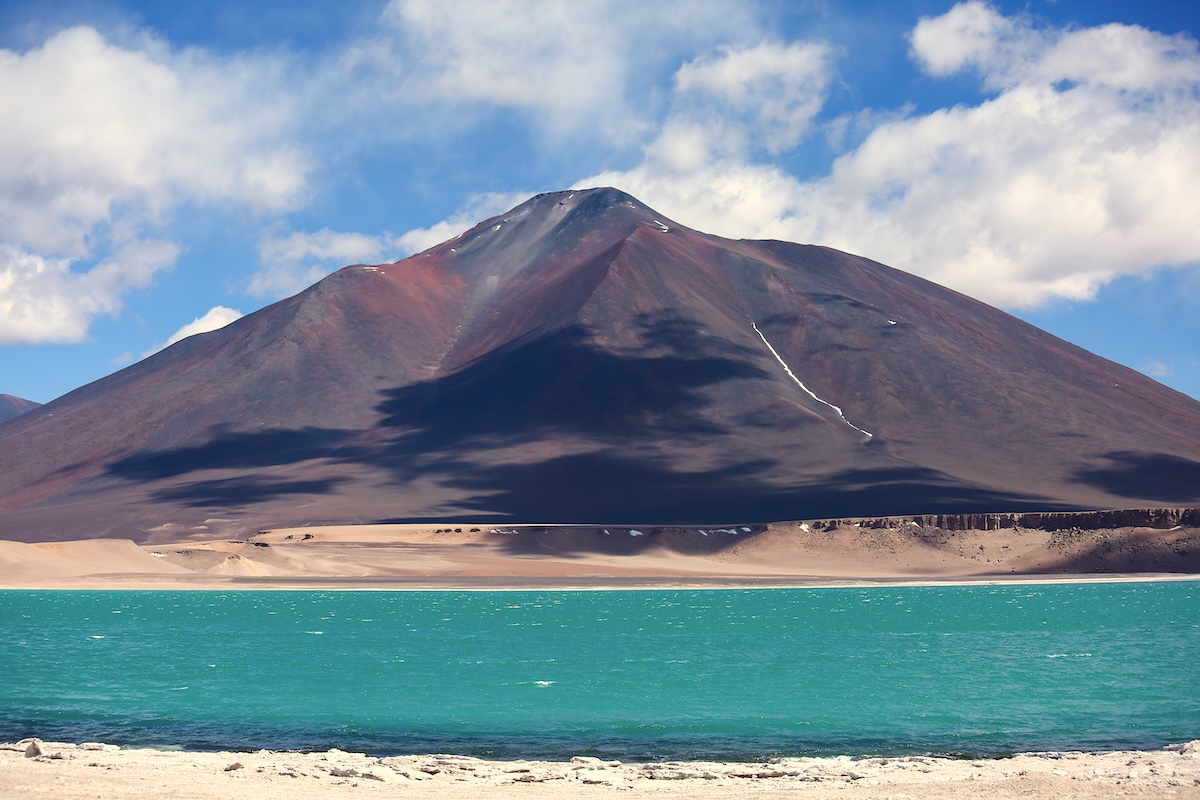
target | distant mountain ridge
[
  {"x": 11, "y": 407},
  {"x": 583, "y": 358}
]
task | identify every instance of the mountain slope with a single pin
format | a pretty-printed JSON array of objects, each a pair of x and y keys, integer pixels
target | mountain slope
[
  {"x": 582, "y": 358},
  {"x": 11, "y": 407}
]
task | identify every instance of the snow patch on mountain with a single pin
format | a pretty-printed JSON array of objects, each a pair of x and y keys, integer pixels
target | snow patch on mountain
[{"x": 800, "y": 383}]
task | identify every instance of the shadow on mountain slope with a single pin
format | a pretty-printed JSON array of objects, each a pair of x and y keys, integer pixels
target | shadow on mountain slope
[
  {"x": 241, "y": 491},
  {"x": 619, "y": 489},
  {"x": 1158, "y": 476},
  {"x": 565, "y": 382},
  {"x": 619, "y": 432},
  {"x": 232, "y": 450}
]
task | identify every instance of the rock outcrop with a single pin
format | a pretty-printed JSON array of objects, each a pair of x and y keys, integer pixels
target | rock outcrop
[{"x": 1045, "y": 521}]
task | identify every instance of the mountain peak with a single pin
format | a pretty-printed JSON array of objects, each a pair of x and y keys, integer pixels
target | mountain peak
[
  {"x": 594, "y": 199},
  {"x": 583, "y": 358},
  {"x": 562, "y": 217}
]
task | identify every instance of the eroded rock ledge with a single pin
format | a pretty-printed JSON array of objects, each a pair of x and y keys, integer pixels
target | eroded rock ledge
[{"x": 1046, "y": 521}]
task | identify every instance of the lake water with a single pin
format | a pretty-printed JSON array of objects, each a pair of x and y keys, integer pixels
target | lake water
[{"x": 622, "y": 674}]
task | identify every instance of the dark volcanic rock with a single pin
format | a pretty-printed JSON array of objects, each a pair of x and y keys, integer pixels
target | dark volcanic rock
[
  {"x": 11, "y": 407},
  {"x": 583, "y": 359}
]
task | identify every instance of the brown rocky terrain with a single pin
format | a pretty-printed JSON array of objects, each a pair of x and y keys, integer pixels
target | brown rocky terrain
[{"x": 583, "y": 359}]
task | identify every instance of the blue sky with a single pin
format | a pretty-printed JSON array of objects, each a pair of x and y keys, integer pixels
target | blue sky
[{"x": 165, "y": 167}]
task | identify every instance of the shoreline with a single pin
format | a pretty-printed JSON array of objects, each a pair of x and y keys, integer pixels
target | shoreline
[
  {"x": 572, "y": 584},
  {"x": 32, "y": 768}
]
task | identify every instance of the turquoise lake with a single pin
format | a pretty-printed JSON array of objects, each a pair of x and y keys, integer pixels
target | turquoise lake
[{"x": 731, "y": 674}]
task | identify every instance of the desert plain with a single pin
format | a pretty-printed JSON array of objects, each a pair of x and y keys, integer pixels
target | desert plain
[{"x": 456, "y": 555}]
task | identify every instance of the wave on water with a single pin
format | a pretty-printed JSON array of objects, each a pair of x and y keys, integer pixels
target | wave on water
[{"x": 710, "y": 675}]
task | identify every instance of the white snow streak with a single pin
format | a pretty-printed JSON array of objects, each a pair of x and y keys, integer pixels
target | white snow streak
[{"x": 800, "y": 383}]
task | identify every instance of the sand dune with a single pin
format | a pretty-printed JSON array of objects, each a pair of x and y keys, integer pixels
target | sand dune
[
  {"x": 451, "y": 554},
  {"x": 98, "y": 559}
]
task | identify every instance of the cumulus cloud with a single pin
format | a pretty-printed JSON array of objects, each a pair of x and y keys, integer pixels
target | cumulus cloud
[
  {"x": 293, "y": 262},
  {"x": 773, "y": 91},
  {"x": 93, "y": 130},
  {"x": 215, "y": 318},
  {"x": 576, "y": 64},
  {"x": 1014, "y": 51},
  {"x": 1082, "y": 164},
  {"x": 100, "y": 142},
  {"x": 43, "y": 300},
  {"x": 972, "y": 34}
]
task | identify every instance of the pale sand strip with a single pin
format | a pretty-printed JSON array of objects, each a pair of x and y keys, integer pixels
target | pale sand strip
[
  {"x": 460, "y": 556},
  {"x": 68, "y": 772}
]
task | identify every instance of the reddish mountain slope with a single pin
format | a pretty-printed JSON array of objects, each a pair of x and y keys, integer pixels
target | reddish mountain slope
[{"x": 583, "y": 359}]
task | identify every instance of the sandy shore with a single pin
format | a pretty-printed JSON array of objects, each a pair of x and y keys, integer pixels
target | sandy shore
[
  {"x": 31, "y": 769},
  {"x": 455, "y": 555}
]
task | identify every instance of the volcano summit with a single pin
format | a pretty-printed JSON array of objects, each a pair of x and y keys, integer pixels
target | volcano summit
[{"x": 583, "y": 358}]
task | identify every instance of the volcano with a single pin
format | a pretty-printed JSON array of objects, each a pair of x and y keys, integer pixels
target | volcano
[{"x": 582, "y": 358}]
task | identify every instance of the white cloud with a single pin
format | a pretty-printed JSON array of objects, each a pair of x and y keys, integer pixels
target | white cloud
[
  {"x": 43, "y": 300},
  {"x": 1156, "y": 369},
  {"x": 775, "y": 90},
  {"x": 970, "y": 34},
  {"x": 293, "y": 262},
  {"x": 100, "y": 142},
  {"x": 728, "y": 197},
  {"x": 215, "y": 318},
  {"x": 1013, "y": 51},
  {"x": 92, "y": 129},
  {"x": 577, "y": 64},
  {"x": 1084, "y": 165}
]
